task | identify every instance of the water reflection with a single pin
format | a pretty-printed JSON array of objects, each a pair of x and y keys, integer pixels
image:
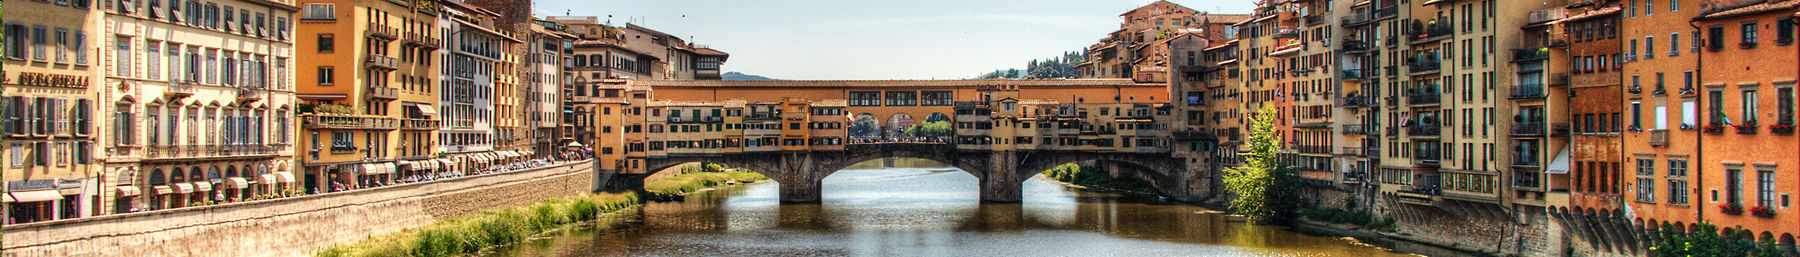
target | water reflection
[{"x": 928, "y": 210}]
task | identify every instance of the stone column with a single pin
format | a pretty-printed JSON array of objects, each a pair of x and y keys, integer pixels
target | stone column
[
  {"x": 799, "y": 180},
  {"x": 1001, "y": 180}
]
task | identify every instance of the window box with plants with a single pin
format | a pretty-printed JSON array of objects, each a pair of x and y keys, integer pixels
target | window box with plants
[
  {"x": 1731, "y": 209},
  {"x": 1747, "y": 128},
  {"x": 1713, "y": 129},
  {"x": 1762, "y": 211},
  {"x": 1783, "y": 128}
]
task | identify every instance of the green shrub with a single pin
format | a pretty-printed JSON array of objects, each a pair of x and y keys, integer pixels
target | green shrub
[
  {"x": 472, "y": 233},
  {"x": 688, "y": 183}
]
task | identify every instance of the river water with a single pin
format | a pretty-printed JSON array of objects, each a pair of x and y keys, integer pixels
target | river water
[{"x": 928, "y": 211}]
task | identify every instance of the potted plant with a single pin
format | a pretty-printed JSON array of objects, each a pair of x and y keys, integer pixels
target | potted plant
[
  {"x": 1731, "y": 208},
  {"x": 1784, "y": 128},
  {"x": 1713, "y": 129},
  {"x": 1762, "y": 211},
  {"x": 1748, "y": 127}
]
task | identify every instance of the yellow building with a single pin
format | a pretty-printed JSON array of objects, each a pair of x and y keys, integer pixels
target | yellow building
[
  {"x": 369, "y": 86},
  {"x": 46, "y": 112}
]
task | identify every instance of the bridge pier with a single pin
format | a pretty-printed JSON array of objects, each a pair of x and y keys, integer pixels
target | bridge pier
[{"x": 1001, "y": 180}]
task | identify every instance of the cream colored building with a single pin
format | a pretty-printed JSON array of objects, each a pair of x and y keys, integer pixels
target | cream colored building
[{"x": 202, "y": 101}]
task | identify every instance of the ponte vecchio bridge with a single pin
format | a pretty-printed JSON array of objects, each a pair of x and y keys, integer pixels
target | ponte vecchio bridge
[{"x": 799, "y": 132}]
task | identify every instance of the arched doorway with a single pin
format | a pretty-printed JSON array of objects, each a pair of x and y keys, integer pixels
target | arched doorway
[
  {"x": 897, "y": 125},
  {"x": 865, "y": 126}
]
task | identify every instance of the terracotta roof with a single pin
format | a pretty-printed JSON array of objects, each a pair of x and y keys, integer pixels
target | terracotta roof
[
  {"x": 1591, "y": 14},
  {"x": 1772, "y": 5},
  {"x": 899, "y": 83},
  {"x": 669, "y": 103},
  {"x": 486, "y": 29},
  {"x": 708, "y": 51}
]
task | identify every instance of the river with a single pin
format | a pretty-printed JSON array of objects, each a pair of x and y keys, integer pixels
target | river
[{"x": 928, "y": 211}]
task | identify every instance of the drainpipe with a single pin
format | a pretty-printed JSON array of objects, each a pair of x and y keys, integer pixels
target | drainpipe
[{"x": 1699, "y": 138}]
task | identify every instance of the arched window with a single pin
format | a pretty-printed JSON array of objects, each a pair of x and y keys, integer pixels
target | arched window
[{"x": 157, "y": 178}]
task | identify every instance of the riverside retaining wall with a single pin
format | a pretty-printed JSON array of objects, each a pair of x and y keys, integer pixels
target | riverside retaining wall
[{"x": 297, "y": 226}]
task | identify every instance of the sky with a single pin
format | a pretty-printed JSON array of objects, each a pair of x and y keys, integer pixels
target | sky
[{"x": 866, "y": 40}]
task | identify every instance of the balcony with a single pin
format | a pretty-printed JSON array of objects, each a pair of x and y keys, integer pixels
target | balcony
[
  {"x": 1386, "y": 12},
  {"x": 1423, "y": 100},
  {"x": 383, "y": 93},
  {"x": 1424, "y": 130},
  {"x": 344, "y": 121},
  {"x": 1427, "y": 33},
  {"x": 1659, "y": 137},
  {"x": 1354, "y": 129},
  {"x": 1314, "y": 149},
  {"x": 1422, "y": 66},
  {"x": 1286, "y": 33},
  {"x": 1356, "y": 19},
  {"x": 1314, "y": 19},
  {"x": 383, "y": 31},
  {"x": 1526, "y": 161},
  {"x": 421, "y": 39},
  {"x": 250, "y": 94},
  {"x": 1530, "y": 54},
  {"x": 1425, "y": 157},
  {"x": 695, "y": 119},
  {"x": 419, "y": 124},
  {"x": 1352, "y": 74},
  {"x": 1528, "y": 129},
  {"x": 1354, "y": 46},
  {"x": 1528, "y": 91},
  {"x": 179, "y": 88},
  {"x": 1354, "y": 102},
  {"x": 383, "y": 62},
  {"x": 1358, "y": 151}
]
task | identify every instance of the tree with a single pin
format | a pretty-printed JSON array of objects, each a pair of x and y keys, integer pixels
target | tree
[
  {"x": 929, "y": 129},
  {"x": 865, "y": 126},
  {"x": 1708, "y": 240},
  {"x": 1266, "y": 188}
]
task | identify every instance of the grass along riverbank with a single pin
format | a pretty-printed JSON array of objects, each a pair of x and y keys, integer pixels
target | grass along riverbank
[
  {"x": 1097, "y": 179},
  {"x": 490, "y": 228},
  {"x": 688, "y": 183}
]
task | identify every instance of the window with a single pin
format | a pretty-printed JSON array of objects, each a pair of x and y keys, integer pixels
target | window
[
  {"x": 1784, "y": 33},
  {"x": 38, "y": 40},
  {"x": 902, "y": 98},
  {"x": 152, "y": 60},
  {"x": 867, "y": 98},
  {"x": 80, "y": 46},
  {"x": 1765, "y": 187},
  {"x": 325, "y": 42},
  {"x": 937, "y": 98},
  {"x": 1637, "y": 114},
  {"x": 122, "y": 66},
  {"x": 1749, "y": 106},
  {"x": 1678, "y": 194},
  {"x": 1674, "y": 5},
  {"x": 1715, "y": 38},
  {"x": 62, "y": 45},
  {"x": 1734, "y": 185},
  {"x": 320, "y": 12},
  {"x": 1674, "y": 43},
  {"x": 1649, "y": 47},
  {"x": 15, "y": 41},
  {"x": 325, "y": 76},
  {"x": 1748, "y": 39},
  {"x": 1784, "y": 105}
]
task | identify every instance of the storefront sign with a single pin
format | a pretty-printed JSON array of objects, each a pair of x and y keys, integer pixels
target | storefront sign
[
  {"x": 28, "y": 185},
  {"x": 50, "y": 80}
]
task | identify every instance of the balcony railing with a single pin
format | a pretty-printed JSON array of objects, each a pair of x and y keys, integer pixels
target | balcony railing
[
  {"x": 1355, "y": 19},
  {"x": 380, "y": 92},
  {"x": 1528, "y": 91},
  {"x": 180, "y": 88},
  {"x": 1354, "y": 129},
  {"x": 1422, "y": 66},
  {"x": 1286, "y": 33},
  {"x": 1425, "y": 33},
  {"x": 422, "y": 39},
  {"x": 419, "y": 124},
  {"x": 1356, "y": 151},
  {"x": 1526, "y": 161},
  {"x": 342, "y": 121},
  {"x": 1386, "y": 12},
  {"x": 1424, "y": 130},
  {"x": 1354, "y": 102},
  {"x": 1530, "y": 54},
  {"x": 1314, "y": 149},
  {"x": 1423, "y": 99},
  {"x": 249, "y": 94},
  {"x": 1352, "y": 74},
  {"x": 1659, "y": 137},
  {"x": 383, "y": 31},
  {"x": 1425, "y": 156},
  {"x": 384, "y": 62},
  {"x": 1528, "y": 129}
]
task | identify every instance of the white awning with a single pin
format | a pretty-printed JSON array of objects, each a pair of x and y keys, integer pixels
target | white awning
[
  {"x": 31, "y": 196},
  {"x": 1560, "y": 165},
  {"x": 237, "y": 183},
  {"x": 161, "y": 190},
  {"x": 427, "y": 109},
  {"x": 127, "y": 191},
  {"x": 183, "y": 189},
  {"x": 266, "y": 179},
  {"x": 284, "y": 177},
  {"x": 202, "y": 186}
]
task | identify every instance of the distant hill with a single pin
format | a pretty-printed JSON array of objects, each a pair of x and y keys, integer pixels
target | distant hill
[{"x": 741, "y": 76}]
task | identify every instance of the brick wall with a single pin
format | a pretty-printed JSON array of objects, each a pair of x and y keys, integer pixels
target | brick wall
[{"x": 297, "y": 226}]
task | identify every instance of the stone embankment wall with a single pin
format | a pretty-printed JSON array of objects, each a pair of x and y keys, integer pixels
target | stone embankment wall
[
  {"x": 1479, "y": 228},
  {"x": 297, "y": 226}
]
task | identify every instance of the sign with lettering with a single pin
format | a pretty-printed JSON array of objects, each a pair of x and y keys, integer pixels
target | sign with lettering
[{"x": 50, "y": 80}]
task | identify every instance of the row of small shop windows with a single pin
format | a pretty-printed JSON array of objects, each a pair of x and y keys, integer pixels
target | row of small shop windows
[{"x": 723, "y": 143}]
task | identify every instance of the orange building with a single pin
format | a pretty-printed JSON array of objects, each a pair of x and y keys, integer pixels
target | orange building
[
  {"x": 1661, "y": 158},
  {"x": 1747, "y": 163}
]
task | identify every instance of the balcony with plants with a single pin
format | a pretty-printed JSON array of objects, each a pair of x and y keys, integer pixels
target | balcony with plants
[
  {"x": 1429, "y": 31},
  {"x": 1423, "y": 64},
  {"x": 1424, "y": 96}
]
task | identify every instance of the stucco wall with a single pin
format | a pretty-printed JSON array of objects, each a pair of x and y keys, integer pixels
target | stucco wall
[{"x": 295, "y": 226}]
